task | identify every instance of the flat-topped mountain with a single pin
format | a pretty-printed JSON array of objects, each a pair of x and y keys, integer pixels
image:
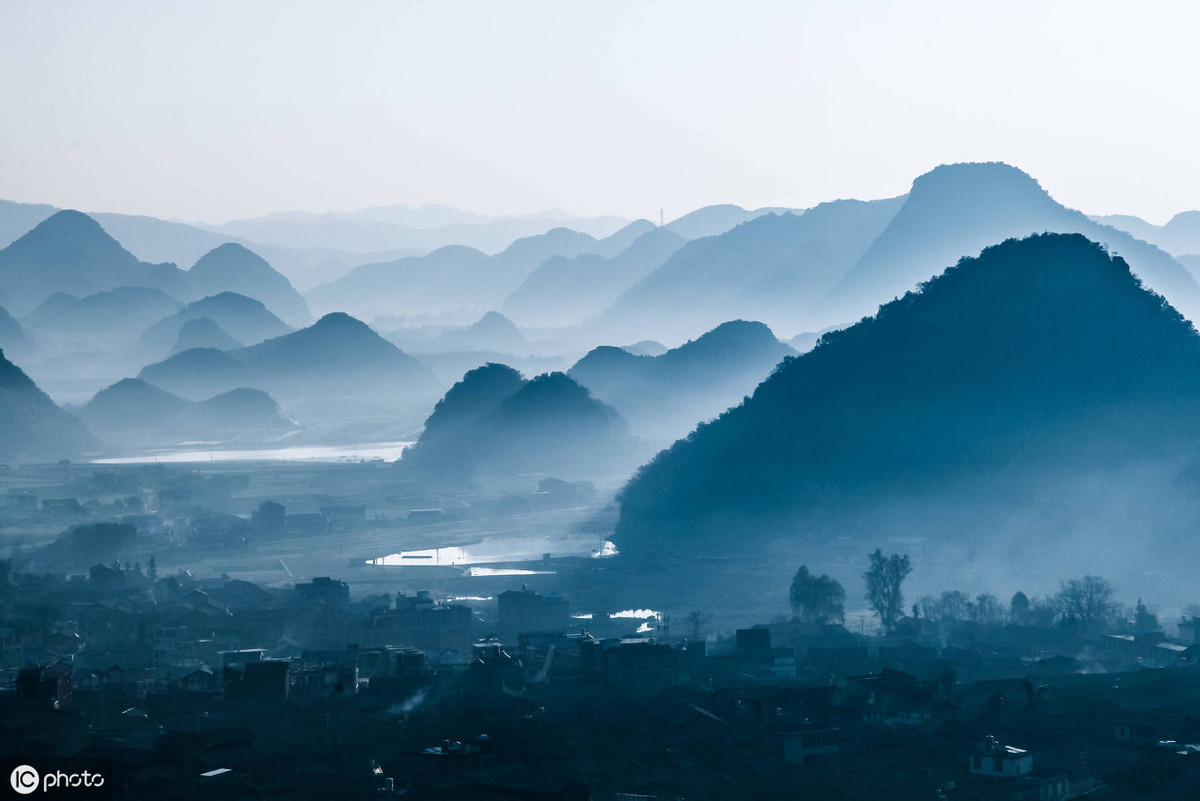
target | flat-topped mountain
[
  {"x": 1039, "y": 376},
  {"x": 957, "y": 210}
]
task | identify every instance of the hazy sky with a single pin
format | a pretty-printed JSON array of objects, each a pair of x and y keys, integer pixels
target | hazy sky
[{"x": 213, "y": 110}]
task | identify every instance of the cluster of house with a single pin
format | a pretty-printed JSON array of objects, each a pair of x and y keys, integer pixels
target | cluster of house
[{"x": 196, "y": 687}]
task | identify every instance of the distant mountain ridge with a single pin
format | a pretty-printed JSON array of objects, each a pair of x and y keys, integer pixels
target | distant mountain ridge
[
  {"x": 133, "y": 413},
  {"x": 564, "y": 291},
  {"x": 451, "y": 279},
  {"x": 773, "y": 268},
  {"x": 665, "y": 396},
  {"x": 1180, "y": 236},
  {"x": 336, "y": 355}
]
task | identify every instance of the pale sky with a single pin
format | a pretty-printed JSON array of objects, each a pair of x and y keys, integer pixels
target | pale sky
[{"x": 219, "y": 110}]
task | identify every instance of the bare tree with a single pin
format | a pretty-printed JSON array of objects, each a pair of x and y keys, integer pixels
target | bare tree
[
  {"x": 987, "y": 610},
  {"x": 884, "y": 578},
  {"x": 1087, "y": 602}
]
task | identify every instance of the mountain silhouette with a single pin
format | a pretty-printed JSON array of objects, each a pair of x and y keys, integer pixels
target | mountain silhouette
[
  {"x": 133, "y": 413},
  {"x": 568, "y": 291},
  {"x": 1180, "y": 236},
  {"x": 155, "y": 240},
  {"x": 70, "y": 253},
  {"x": 114, "y": 318},
  {"x": 646, "y": 347},
  {"x": 234, "y": 268},
  {"x": 203, "y": 332},
  {"x": 620, "y": 241},
  {"x": 451, "y": 279},
  {"x": 1041, "y": 370},
  {"x": 13, "y": 337},
  {"x": 245, "y": 319},
  {"x": 493, "y": 332},
  {"x": 129, "y": 405},
  {"x": 665, "y": 396},
  {"x": 494, "y": 425},
  {"x": 392, "y": 228},
  {"x": 772, "y": 268},
  {"x": 416, "y": 282},
  {"x": 714, "y": 220},
  {"x": 32, "y": 427},
  {"x": 337, "y": 355},
  {"x": 956, "y": 210},
  {"x": 198, "y": 373}
]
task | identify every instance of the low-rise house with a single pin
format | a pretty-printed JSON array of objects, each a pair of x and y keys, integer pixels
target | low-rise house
[
  {"x": 810, "y": 744},
  {"x": 1001, "y": 761}
]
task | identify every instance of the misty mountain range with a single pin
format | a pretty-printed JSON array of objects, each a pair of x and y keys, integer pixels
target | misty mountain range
[
  {"x": 458, "y": 278},
  {"x": 83, "y": 312},
  {"x": 306, "y": 247}
]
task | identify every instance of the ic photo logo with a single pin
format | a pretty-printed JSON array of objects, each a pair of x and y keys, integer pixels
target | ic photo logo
[{"x": 26, "y": 779}]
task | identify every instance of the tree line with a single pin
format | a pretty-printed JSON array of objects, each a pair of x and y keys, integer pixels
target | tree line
[{"x": 1085, "y": 604}]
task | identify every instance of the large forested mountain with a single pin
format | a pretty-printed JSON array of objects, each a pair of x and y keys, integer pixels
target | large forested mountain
[{"x": 1038, "y": 376}]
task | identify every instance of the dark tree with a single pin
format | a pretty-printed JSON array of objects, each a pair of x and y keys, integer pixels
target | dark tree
[
  {"x": 1144, "y": 619},
  {"x": 817, "y": 599},
  {"x": 947, "y": 678},
  {"x": 987, "y": 610},
  {"x": 697, "y": 622},
  {"x": 1087, "y": 602},
  {"x": 884, "y": 593},
  {"x": 1019, "y": 610}
]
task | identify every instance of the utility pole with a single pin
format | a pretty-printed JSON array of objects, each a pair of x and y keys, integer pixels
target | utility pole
[{"x": 660, "y": 218}]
